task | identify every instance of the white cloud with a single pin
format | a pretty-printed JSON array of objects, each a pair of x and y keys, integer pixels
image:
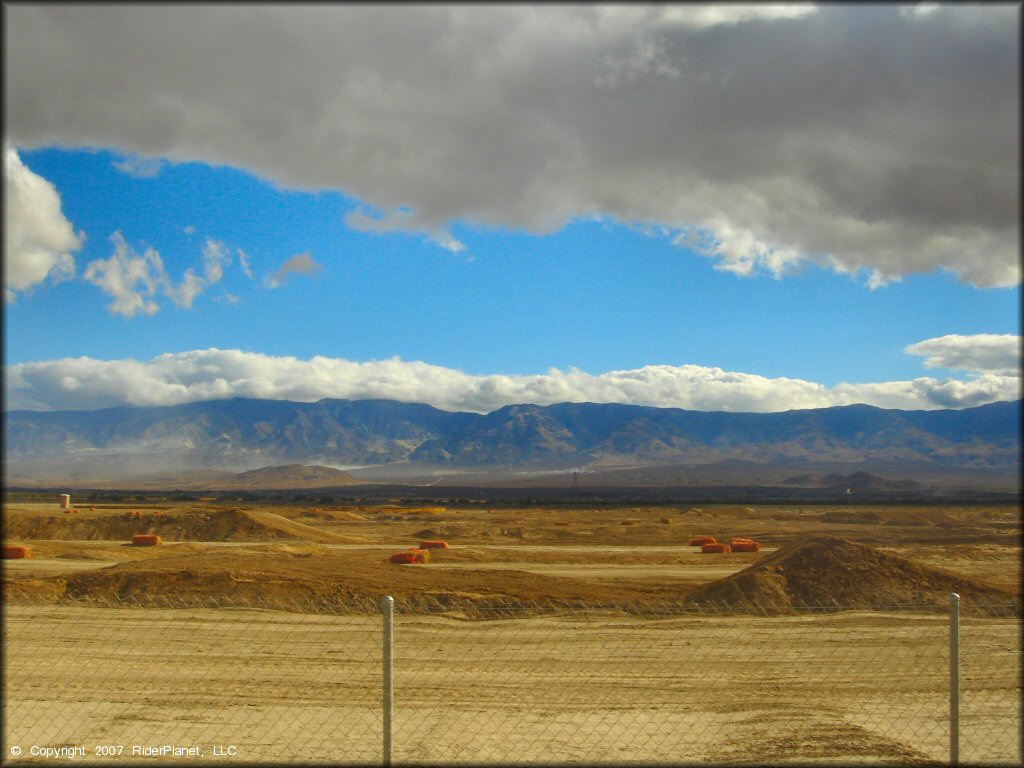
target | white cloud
[
  {"x": 214, "y": 374},
  {"x": 38, "y": 239},
  {"x": 131, "y": 279},
  {"x": 134, "y": 279},
  {"x": 300, "y": 263},
  {"x": 869, "y": 139},
  {"x": 186, "y": 292},
  {"x": 998, "y": 354},
  {"x": 140, "y": 167},
  {"x": 243, "y": 261},
  {"x": 738, "y": 250},
  {"x": 215, "y": 257}
]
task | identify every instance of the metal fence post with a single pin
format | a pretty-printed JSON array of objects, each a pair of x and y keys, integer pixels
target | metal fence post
[
  {"x": 954, "y": 679},
  {"x": 387, "y": 606}
]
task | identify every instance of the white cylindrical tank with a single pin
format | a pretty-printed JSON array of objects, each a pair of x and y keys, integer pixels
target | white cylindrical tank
[{"x": 65, "y": 501}]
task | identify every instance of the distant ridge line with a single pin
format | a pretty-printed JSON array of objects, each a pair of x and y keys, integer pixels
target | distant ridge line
[{"x": 241, "y": 434}]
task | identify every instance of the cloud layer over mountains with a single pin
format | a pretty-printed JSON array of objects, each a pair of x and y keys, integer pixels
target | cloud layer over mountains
[
  {"x": 875, "y": 138},
  {"x": 86, "y": 383}
]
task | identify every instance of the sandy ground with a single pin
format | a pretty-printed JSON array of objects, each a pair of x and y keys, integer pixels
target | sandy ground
[
  {"x": 278, "y": 687},
  {"x": 283, "y": 686}
]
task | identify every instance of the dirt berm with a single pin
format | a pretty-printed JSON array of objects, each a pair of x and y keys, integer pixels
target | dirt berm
[
  {"x": 196, "y": 525},
  {"x": 304, "y": 580},
  {"x": 835, "y": 573}
]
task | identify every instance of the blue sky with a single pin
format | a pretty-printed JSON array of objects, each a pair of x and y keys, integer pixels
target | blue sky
[{"x": 486, "y": 269}]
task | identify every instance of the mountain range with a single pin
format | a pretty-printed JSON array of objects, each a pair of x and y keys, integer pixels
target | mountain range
[{"x": 385, "y": 438}]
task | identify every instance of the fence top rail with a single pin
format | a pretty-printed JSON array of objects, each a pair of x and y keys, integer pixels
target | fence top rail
[{"x": 496, "y": 607}]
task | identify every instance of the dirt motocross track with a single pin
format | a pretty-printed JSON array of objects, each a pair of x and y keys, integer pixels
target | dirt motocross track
[{"x": 523, "y": 554}]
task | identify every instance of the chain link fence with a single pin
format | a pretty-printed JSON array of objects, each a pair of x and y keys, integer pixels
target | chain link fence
[
  {"x": 253, "y": 681},
  {"x": 990, "y": 686},
  {"x": 478, "y": 679}
]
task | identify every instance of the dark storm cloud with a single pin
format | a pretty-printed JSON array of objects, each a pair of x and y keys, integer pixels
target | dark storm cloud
[{"x": 863, "y": 137}]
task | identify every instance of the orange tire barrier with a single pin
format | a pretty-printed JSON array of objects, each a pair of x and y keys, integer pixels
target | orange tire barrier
[
  {"x": 666, "y": 520},
  {"x": 146, "y": 540},
  {"x": 738, "y": 540},
  {"x": 434, "y": 544},
  {"x": 700, "y": 541},
  {"x": 746, "y": 546},
  {"x": 715, "y": 548},
  {"x": 410, "y": 556},
  {"x": 74, "y": 511},
  {"x": 14, "y": 552}
]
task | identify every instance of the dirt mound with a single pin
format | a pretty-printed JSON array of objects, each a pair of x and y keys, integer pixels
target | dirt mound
[
  {"x": 197, "y": 525},
  {"x": 441, "y": 532},
  {"x": 911, "y": 518},
  {"x": 833, "y": 572},
  {"x": 310, "y": 576}
]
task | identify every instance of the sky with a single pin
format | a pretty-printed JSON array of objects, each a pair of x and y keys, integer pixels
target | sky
[{"x": 724, "y": 207}]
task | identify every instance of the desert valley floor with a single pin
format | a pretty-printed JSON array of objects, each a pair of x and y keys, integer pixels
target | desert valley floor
[{"x": 720, "y": 628}]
